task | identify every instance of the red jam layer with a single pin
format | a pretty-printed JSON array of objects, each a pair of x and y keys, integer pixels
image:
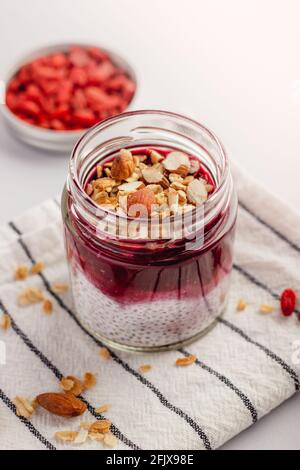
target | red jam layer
[
  {"x": 69, "y": 90},
  {"x": 136, "y": 275}
]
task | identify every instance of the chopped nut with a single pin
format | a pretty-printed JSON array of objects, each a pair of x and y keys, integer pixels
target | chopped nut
[
  {"x": 241, "y": 305},
  {"x": 175, "y": 178},
  {"x": 145, "y": 368},
  {"x": 187, "y": 180},
  {"x": 47, "y": 306},
  {"x": 23, "y": 407},
  {"x": 85, "y": 425},
  {"x": 177, "y": 162},
  {"x": 131, "y": 187},
  {"x": 5, "y": 322},
  {"x": 110, "y": 440},
  {"x": 37, "y": 267},
  {"x": 81, "y": 436},
  {"x": 96, "y": 436},
  {"x": 196, "y": 192},
  {"x": 173, "y": 200},
  {"x": 143, "y": 199},
  {"x": 195, "y": 166},
  {"x": 155, "y": 157},
  {"x": 181, "y": 197},
  {"x": 100, "y": 426},
  {"x": 30, "y": 295},
  {"x": 265, "y": 308},
  {"x": 102, "y": 409},
  {"x": 89, "y": 380},
  {"x": 152, "y": 175},
  {"x": 123, "y": 165},
  {"x": 104, "y": 353},
  {"x": 66, "y": 436},
  {"x": 21, "y": 272},
  {"x": 186, "y": 361},
  {"x": 178, "y": 186},
  {"x": 99, "y": 171},
  {"x": 59, "y": 288},
  {"x": 72, "y": 384}
]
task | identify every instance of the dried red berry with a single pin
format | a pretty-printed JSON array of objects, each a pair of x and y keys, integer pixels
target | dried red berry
[{"x": 288, "y": 302}]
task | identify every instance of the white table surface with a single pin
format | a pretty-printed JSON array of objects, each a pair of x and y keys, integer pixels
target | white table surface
[{"x": 233, "y": 65}]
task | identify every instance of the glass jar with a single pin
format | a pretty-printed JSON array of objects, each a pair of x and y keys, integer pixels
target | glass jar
[{"x": 145, "y": 290}]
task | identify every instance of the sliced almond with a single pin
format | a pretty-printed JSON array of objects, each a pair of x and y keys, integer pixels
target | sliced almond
[
  {"x": 181, "y": 197},
  {"x": 186, "y": 361},
  {"x": 196, "y": 192},
  {"x": 152, "y": 175},
  {"x": 21, "y": 272},
  {"x": 174, "y": 177},
  {"x": 47, "y": 306},
  {"x": 103, "y": 408},
  {"x": 155, "y": 157},
  {"x": 266, "y": 308},
  {"x": 59, "y": 287},
  {"x": 130, "y": 187},
  {"x": 104, "y": 353},
  {"x": 156, "y": 188},
  {"x": 72, "y": 384},
  {"x": 144, "y": 368},
  {"x": 66, "y": 436},
  {"x": 89, "y": 380},
  {"x": 123, "y": 165},
  {"x": 37, "y": 267},
  {"x": 110, "y": 440},
  {"x": 23, "y": 407},
  {"x": 96, "y": 436},
  {"x": 173, "y": 200},
  {"x": 5, "y": 321},
  {"x": 194, "y": 166},
  {"x": 30, "y": 295},
  {"x": 178, "y": 186},
  {"x": 99, "y": 171},
  {"x": 81, "y": 436},
  {"x": 177, "y": 162},
  {"x": 100, "y": 426},
  {"x": 241, "y": 305}
]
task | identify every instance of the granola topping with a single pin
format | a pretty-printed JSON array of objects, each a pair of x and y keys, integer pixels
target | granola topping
[{"x": 165, "y": 183}]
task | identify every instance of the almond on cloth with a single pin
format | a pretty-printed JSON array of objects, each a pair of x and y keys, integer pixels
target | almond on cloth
[
  {"x": 62, "y": 404},
  {"x": 23, "y": 407},
  {"x": 66, "y": 436},
  {"x": 100, "y": 426},
  {"x": 21, "y": 272},
  {"x": 37, "y": 267},
  {"x": 30, "y": 295},
  {"x": 104, "y": 353},
  {"x": 5, "y": 321},
  {"x": 89, "y": 380}
]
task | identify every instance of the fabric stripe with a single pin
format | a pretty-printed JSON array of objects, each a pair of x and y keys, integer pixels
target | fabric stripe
[
  {"x": 272, "y": 229},
  {"x": 26, "y": 422},
  {"x": 164, "y": 401},
  {"x": 59, "y": 376},
  {"x": 247, "y": 402}
]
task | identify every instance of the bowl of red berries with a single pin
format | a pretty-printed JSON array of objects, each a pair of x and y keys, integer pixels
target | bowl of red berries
[{"x": 54, "y": 94}]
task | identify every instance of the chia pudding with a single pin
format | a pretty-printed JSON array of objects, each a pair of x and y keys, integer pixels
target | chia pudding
[{"x": 137, "y": 288}]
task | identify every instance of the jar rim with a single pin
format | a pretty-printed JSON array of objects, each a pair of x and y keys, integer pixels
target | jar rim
[{"x": 103, "y": 124}]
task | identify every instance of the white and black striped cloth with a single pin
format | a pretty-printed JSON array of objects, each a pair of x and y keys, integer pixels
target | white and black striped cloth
[{"x": 245, "y": 364}]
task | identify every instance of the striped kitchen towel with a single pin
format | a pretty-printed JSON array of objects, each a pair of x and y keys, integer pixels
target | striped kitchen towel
[{"x": 247, "y": 365}]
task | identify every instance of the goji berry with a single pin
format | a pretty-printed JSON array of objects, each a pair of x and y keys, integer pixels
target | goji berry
[{"x": 288, "y": 302}]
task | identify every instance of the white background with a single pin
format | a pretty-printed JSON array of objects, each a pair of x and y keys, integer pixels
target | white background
[{"x": 233, "y": 65}]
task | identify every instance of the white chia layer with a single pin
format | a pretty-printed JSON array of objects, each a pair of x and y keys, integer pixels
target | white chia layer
[{"x": 145, "y": 324}]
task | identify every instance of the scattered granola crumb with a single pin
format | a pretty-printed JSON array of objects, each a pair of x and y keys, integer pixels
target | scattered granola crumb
[
  {"x": 30, "y": 295},
  {"x": 81, "y": 436},
  {"x": 145, "y": 368},
  {"x": 21, "y": 272},
  {"x": 266, "y": 308},
  {"x": 103, "y": 408},
  {"x": 89, "y": 380},
  {"x": 110, "y": 440},
  {"x": 72, "y": 385},
  {"x": 37, "y": 267},
  {"x": 23, "y": 406},
  {"x": 100, "y": 426},
  {"x": 66, "y": 436},
  {"x": 186, "y": 361},
  {"x": 59, "y": 288},
  {"x": 47, "y": 306},
  {"x": 104, "y": 353},
  {"x": 5, "y": 322},
  {"x": 242, "y": 305}
]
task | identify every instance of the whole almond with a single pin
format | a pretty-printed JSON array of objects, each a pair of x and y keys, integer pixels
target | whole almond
[
  {"x": 123, "y": 165},
  {"x": 143, "y": 198},
  {"x": 61, "y": 404}
]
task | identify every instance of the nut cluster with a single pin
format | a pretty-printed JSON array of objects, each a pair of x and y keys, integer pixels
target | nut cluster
[{"x": 149, "y": 183}]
